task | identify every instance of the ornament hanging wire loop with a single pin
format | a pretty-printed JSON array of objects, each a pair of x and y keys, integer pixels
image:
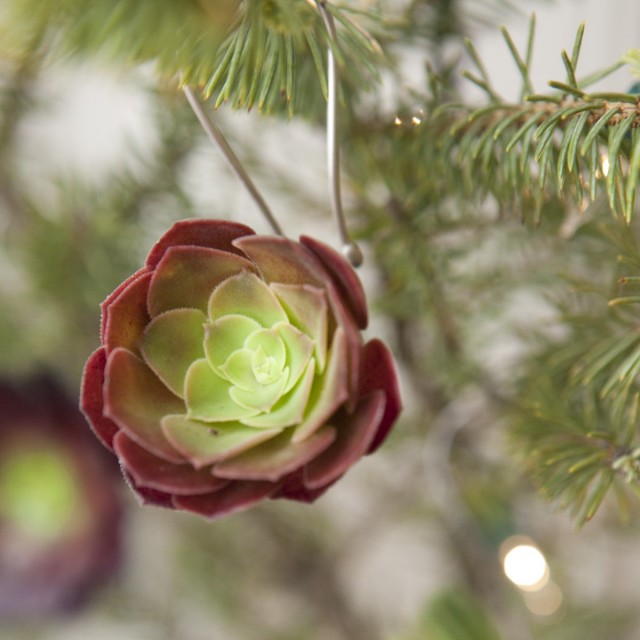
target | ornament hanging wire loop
[
  {"x": 349, "y": 247},
  {"x": 216, "y": 136}
]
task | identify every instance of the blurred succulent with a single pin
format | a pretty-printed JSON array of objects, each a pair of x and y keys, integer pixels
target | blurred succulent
[
  {"x": 60, "y": 507},
  {"x": 232, "y": 369}
]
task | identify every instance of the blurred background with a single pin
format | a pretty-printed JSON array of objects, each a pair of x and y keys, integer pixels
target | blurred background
[{"x": 441, "y": 535}]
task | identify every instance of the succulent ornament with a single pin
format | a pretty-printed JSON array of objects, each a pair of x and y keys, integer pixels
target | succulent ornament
[
  {"x": 60, "y": 503},
  {"x": 232, "y": 369}
]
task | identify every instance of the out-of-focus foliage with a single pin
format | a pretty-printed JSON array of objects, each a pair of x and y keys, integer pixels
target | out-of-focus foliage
[
  {"x": 265, "y": 54},
  {"x": 454, "y": 615},
  {"x": 578, "y": 408}
]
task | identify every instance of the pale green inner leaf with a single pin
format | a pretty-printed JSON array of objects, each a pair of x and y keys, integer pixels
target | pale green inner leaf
[
  {"x": 290, "y": 408},
  {"x": 329, "y": 391},
  {"x": 226, "y": 335},
  {"x": 271, "y": 343},
  {"x": 205, "y": 444},
  {"x": 245, "y": 294},
  {"x": 298, "y": 347},
  {"x": 263, "y": 397},
  {"x": 207, "y": 396},
  {"x": 266, "y": 369},
  {"x": 307, "y": 309},
  {"x": 171, "y": 342}
]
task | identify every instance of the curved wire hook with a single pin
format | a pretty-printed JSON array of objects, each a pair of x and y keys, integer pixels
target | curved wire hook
[{"x": 350, "y": 249}]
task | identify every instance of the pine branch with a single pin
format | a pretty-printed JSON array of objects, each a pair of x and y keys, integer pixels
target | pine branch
[
  {"x": 577, "y": 414},
  {"x": 268, "y": 54},
  {"x": 575, "y": 445},
  {"x": 569, "y": 143}
]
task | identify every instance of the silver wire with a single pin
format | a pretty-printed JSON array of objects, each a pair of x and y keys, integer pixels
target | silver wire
[
  {"x": 349, "y": 247},
  {"x": 216, "y": 136}
]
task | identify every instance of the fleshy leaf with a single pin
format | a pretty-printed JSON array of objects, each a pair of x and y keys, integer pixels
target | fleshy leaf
[
  {"x": 238, "y": 370},
  {"x": 266, "y": 368},
  {"x": 114, "y": 294},
  {"x": 92, "y": 398},
  {"x": 148, "y": 497},
  {"x": 214, "y": 234},
  {"x": 207, "y": 396},
  {"x": 289, "y": 410},
  {"x": 344, "y": 277},
  {"x": 353, "y": 344},
  {"x": 186, "y": 276},
  {"x": 171, "y": 342},
  {"x": 378, "y": 372},
  {"x": 136, "y": 401},
  {"x": 264, "y": 397},
  {"x": 307, "y": 309},
  {"x": 226, "y": 335},
  {"x": 271, "y": 343},
  {"x": 276, "y": 458},
  {"x": 203, "y": 444},
  {"x": 251, "y": 370},
  {"x": 329, "y": 391},
  {"x": 125, "y": 316},
  {"x": 293, "y": 488},
  {"x": 298, "y": 349},
  {"x": 247, "y": 295},
  {"x": 152, "y": 472},
  {"x": 235, "y": 497},
  {"x": 355, "y": 434},
  {"x": 283, "y": 260}
]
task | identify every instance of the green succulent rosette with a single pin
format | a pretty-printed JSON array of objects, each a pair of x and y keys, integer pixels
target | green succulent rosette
[
  {"x": 232, "y": 369},
  {"x": 61, "y": 509}
]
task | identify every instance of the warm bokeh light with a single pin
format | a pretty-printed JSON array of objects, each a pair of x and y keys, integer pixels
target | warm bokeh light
[
  {"x": 525, "y": 565},
  {"x": 546, "y": 601}
]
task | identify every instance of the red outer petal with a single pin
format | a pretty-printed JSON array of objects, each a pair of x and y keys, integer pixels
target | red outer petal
[
  {"x": 150, "y": 497},
  {"x": 344, "y": 277},
  {"x": 151, "y": 472},
  {"x": 126, "y": 316},
  {"x": 136, "y": 401},
  {"x": 235, "y": 497},
  {"x": 215, "y": 234},
  {"x": 293, "y": 488},
  {"x": 186, "y": 276},
  {"x": 354, "y": 346},
  {"x": 283, "y": 260},
  {"x": 114, "y": 294},
  {"x": 92, "y": 398},
  {"x": 378, "y": 371},
  {"x": 353, "y": 441}
]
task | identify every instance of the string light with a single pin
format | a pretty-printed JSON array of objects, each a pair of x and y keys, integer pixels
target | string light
[
  {"x": 524, "y": 564},
  {"x": 527, "y": 568}
]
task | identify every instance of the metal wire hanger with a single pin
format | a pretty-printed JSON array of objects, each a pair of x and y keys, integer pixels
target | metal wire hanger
[{"x": 349, "y": 247}]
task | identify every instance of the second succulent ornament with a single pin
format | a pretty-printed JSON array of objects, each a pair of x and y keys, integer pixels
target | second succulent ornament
[{"x": 232, "y": 369}]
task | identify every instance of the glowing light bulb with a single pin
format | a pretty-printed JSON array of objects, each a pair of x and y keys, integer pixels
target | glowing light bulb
[
  {"x": 605, "y": 165},
  {"x": 525, "y": 565}
]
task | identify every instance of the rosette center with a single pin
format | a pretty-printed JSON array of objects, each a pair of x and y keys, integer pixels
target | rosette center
[{"x": 260, "y": 363}]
